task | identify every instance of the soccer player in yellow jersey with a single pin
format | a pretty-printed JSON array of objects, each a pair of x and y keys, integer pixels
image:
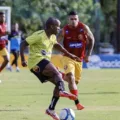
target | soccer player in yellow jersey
[{"x": 41, "y": 44}]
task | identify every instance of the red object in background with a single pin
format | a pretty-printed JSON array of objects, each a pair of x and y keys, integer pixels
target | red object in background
[{"x": 3, "y": 40}]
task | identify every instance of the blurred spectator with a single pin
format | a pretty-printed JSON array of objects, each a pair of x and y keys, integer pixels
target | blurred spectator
[{"x": 15, "y": 39}]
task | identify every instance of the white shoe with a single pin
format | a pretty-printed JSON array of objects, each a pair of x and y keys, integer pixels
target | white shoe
[
  {"x": 0, "y": 81},
  {"x": 9, "y": 68},
  {"x": 17, "y": 69},
  {"x": 52, "y": 114}
]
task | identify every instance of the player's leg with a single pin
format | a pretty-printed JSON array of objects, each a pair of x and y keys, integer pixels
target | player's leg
[
  {"x": 45, "y": 70},
  {"x": 51, "y": 71},
  {"x": 73, "y": 89},
  {"x": 37, "y": 71},
  {"x": 13, "y": 61},
  {"x": 69, "y": 68},
  {"x": 15, "y": 57},
  {"x": 51, "y": 109},
  {"x": 78, "y": 70},
  {"x": 16, "y": 63},
  {"x": 4, "y": 54}
]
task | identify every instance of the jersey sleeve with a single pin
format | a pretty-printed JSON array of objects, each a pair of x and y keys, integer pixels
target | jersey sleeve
[{"x": 32, "y": 39}]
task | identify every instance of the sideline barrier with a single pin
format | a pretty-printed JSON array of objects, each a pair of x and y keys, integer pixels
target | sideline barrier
[
  {"x": 12, "y": 57},
  {"x": 103, "y": 61},
  {"x": 96, "y": 61}
]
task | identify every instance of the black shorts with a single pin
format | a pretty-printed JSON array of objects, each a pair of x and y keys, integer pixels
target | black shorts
[{"x": 38, "y": 69}]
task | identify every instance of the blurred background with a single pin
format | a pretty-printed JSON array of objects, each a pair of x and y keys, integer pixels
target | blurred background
[{"x": 102, "y": 16}]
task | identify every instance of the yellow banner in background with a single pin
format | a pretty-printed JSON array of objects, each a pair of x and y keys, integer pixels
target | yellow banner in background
[
  {"x": 11, "y": 59},
  {"x": 55, "y": 59}
]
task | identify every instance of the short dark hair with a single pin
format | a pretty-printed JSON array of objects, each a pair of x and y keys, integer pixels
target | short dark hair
[
  {"x": 72, "y": 13},
  {"x": 50, "y": 21},
  {"x": 1, "y": 13}
]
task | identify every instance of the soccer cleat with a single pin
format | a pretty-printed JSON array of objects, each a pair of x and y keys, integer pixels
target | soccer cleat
[
  {"x": 9, "y": 68},
  {"x": 52, "y": 114},
  {"x": 67, "y": 95},
  {"x": 17, "y": 69},
  {"x": 79, "y": 106}
]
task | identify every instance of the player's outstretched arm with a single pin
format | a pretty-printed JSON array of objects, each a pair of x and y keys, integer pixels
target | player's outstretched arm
[
  {"x": 60, "y": 48},
  {"x": 23, "y": 45},
  {"x": 91, "y": 42}
]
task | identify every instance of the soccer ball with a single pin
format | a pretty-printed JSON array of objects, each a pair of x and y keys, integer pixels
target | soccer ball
[{"x": 67, "y": 114}]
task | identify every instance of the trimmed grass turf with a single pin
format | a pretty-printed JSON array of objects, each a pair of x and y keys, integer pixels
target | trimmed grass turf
[{"x": 23, "y": 97}]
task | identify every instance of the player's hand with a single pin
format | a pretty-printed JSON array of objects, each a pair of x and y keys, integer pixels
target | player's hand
[
  {"x": 86, "y": 59},
  {"x": 24, "y": 63},
  {"x": 74, "y": 57}
]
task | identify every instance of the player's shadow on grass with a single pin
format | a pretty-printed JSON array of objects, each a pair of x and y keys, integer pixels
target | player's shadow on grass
[{"x": 100, "y": 93}]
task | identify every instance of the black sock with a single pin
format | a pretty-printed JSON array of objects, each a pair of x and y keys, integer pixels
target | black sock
[
  {"x": 53, "y": 102},
  {"x": 76, "y": 102},
  {"x": 60, "y": 86}
]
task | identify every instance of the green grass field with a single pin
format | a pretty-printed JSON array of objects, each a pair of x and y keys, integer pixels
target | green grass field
[{"x": 23, "y": 97}]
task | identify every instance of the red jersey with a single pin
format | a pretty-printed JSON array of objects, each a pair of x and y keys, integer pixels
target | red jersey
[
  {"x": 3, "y": 38},
  {"x": 75, "y": 40}
]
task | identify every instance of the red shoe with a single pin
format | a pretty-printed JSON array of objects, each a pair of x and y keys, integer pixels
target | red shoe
[
  {"x": 79, "y": 106},
  {"x": 67, "y": 95},
  {"x": 52, "y": 114}
]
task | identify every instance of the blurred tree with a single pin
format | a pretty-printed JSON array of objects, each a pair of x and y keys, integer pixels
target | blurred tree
[
  {"x": 109, "y": 10},
  {"x": 118, "y": 26},
  {"x": 97, "y": 23},
  {"x": 31, "y": 14}
]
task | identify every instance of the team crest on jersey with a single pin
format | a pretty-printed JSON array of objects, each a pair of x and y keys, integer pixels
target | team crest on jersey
[
  {"x": 36, "y": 69},
  {"x": 65, "y": 67},
  {"x": 66, "y": 32},
  {"x": 43, "y": 52},
  {"x": 81, "y": 30}
]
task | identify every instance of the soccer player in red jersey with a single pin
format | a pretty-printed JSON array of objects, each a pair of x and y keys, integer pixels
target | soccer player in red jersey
[
  {"x": 3, "y": 41},
  {"x": 76, "y": 36}
]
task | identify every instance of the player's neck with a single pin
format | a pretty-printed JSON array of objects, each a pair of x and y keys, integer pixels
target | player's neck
[
  {"x": 48, "y": 33},
  {"x": 72, "y": 27}
]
